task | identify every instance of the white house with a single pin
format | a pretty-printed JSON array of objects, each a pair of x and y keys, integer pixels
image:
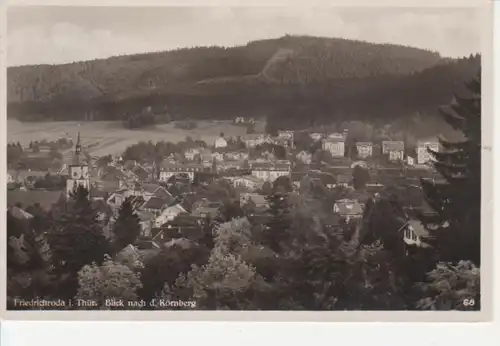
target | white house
[
  {"x": 423, "y": 155},
  {"x": 220, "y": 142},
  {"x": 269, "y": 171},
  {"x": 365, "y": 149},
  {"x": 349, "y": 209},
  {"x": 304, "y": 157},
  {"x": 116, "y": 199},
  {"x": 146, "y": 220},
  {"x": 286, "y": 135},
  {"x": 394, "y": 149},
  {"x": 336, "y": 146},
  {"x": 396, "y": 155},
  {"x": 217, "y": 156},
  {"x": 236, "y": 155},
  {"x": 410, "y": 160},
  {"x": 414, "y": 233},
  {"x": 190, "y": 154},
  {"x": 10, "y": 178},
  {"x": 253, "y": 140},
  {"x": 168, "y": 214}
]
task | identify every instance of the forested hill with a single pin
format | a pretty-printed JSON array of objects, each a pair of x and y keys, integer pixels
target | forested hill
[
  {"x": 289, "y": 59},
  {"x": 291, "y": 76}
]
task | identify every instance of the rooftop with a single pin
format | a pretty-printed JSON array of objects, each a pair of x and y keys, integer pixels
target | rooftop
[
  {"x": 19, "y": 213},
  {"x": 156, "y": 203},
  {"x": 349, "y": 207},
  {"x": 393, "y": 145}
]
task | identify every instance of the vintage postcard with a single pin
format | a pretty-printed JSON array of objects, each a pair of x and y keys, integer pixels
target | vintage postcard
[{"x": 319, "y": 162}]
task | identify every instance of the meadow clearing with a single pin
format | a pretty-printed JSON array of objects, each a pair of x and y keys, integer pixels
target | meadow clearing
[{"x": 110, "y": 137}]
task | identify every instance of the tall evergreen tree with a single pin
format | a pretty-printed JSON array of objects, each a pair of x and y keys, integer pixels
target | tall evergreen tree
[
  {"x": 126, "y": 229},
  {"x": 457, "y": 200},
  {"x": 75, "y": 240}
]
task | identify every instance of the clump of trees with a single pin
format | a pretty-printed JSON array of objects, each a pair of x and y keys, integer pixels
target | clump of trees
[
  {"x": 146, "y": 117},
  {"x": 155, "y": 152}
]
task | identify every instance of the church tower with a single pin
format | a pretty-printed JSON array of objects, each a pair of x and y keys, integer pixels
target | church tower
[{"x": 78, "y": 171}]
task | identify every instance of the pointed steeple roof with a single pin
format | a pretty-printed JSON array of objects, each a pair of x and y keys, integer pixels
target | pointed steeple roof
[{"x": 78, "y": 150}]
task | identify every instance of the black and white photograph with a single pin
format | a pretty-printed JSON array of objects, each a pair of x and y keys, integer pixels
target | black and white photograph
[{"x": 244, "y": 158}]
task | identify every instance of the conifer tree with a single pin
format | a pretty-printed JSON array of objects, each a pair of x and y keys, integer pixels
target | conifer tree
[
  {"x": 75, "y": 240},
  {"x": 457, "y": 201},
  {"x": 126, "y": 229}
]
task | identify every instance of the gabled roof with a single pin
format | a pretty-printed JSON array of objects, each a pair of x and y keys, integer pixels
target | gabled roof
[
  {"x": 258, "y": 199},
  {"x": 181, "y": 166},
  {"x": 129, "y": 164},
  {"x": 150, "y": 187},
  {"x": 253, "y": 136},
  {"x": 393, "y": 145},
  {"x": 344, "y": 178},
  {"x": 19, "y": 213},
  {"x": 155, "y": 203},
  {"x": 349, "y": 207},
  {"x": 141, "y": 172},
  {"x": 202, "y": 211},
  {"x": 113, "y": 175},
  {"x": 251, "y": 178},
  {"x": 419, "y": 228},
  {"x": 145, "y": 215}
]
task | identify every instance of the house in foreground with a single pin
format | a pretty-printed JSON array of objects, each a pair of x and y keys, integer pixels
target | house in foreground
[
  {"x": 423, "y": 155},
  {"x": 349, "y": 209}
]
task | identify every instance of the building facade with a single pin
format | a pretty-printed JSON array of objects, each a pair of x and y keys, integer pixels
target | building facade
[
  {"x": 220, "y": 142},
  {"x": 396, "y": 155},
  {"x": 79, "y": 172},
  {"x": 267, "y": 171},
  {"x": 423, "y": 156},
  {"x": 336, "y": 146},
  {"x": 388, "y": 146},
  {"x": 169, "y": 170},
  {"x": 365, "y": 149}
]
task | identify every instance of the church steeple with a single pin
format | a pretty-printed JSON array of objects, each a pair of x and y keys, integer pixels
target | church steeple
[
  {"x": 79, "y": 174},
  {"x": 78, "y": 150}
]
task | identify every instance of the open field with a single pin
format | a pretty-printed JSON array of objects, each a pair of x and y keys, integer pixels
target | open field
[{"x": 108, "y": 137}]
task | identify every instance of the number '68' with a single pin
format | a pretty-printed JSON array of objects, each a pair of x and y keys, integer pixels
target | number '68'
[{"x": 469, "y": 302}]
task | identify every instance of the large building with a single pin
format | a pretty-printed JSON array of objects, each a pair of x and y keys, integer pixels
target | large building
[
  {"x": 79, "y": 173},
  {"x": 423, "y": 155},
  {"x": 336, "y": 146},
  {"x": 269, "y": 171},
  {"x": 168, "y": 170},
  {"x": 365, "y": 149}
]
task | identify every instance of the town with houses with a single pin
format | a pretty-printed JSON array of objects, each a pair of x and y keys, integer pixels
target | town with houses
[{"x": 168, "y": 208}]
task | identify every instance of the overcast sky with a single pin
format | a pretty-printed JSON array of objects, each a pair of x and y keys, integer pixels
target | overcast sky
[{"x": 43, "y": 35}]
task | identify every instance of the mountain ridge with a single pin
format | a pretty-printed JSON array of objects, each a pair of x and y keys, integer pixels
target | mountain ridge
[{"x": 291, "y": 78}]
